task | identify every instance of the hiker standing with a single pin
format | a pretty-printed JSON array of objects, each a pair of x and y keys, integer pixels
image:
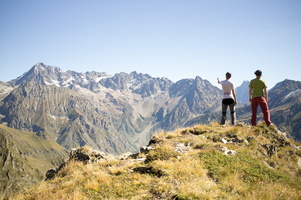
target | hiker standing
[
  {"x": 229, "y": 99},
  {"x": 259, "y": 95}
]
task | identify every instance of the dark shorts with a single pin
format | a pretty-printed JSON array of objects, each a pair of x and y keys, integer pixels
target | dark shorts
[{"x": 228, "y": 101}]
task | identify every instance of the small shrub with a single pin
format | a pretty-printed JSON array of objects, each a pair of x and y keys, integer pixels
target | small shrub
[
  {"x": 253, "y": 144},
  {"x": 200, "y": 146},
  {"x": 233, "y": 132},
  {"x": 161, "y": 190},
  {"x": 161, "y": 153},
  {"x": 216, "y": 138}
]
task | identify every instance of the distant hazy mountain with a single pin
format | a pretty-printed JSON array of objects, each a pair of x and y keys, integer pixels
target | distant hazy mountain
[
  {"x": 5, "y": 89},
  {"x": 242, "y": 92}
]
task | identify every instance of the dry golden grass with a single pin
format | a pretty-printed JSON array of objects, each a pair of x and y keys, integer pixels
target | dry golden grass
[
  {"x": 272, "y": 191},
  {"x": 203, "y": 172}
]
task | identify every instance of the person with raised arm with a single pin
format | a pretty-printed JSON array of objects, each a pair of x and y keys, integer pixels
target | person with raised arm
[{"x": 229, "y": 99}]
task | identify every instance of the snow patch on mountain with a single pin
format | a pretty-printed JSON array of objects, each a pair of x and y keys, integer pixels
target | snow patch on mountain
[{"x": 293, "y": 94}]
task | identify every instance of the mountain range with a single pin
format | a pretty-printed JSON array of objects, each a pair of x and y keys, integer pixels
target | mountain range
[
  {"x": 120, "y": 113},
  {"x": 47, "y": 111},
  {"x": 111, "y": 113}
]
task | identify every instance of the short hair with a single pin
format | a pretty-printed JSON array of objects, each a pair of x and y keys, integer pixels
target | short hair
[
  {"x": 228, "y": 74},
  {"x": 258, "y": 73}
]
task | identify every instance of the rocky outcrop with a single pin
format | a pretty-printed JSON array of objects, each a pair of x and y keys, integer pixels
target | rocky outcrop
[{"x": 86, "y": 155}]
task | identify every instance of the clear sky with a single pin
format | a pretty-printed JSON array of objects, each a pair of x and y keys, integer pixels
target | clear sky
[{"x": 163, "y": 38}]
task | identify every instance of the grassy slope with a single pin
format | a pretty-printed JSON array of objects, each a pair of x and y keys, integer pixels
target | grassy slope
[
  {"x": 188, "y": 164},
  {"x": 25, "y": 158}
]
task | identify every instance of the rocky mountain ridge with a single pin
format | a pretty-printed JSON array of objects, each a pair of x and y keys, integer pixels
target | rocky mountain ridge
[
  {"x": 120, "y": 113},
  {"x": 51, "y": 75},
  {"x": 285, "y": 106},
  {"x": 125, "y": 109}
]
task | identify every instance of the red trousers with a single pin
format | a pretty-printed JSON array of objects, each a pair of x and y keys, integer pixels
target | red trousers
[{"x": 264, "y": 108}]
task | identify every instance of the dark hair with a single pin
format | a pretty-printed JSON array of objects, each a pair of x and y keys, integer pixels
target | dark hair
[
  {"x": 228, "y": 74},
  {"x": 258, "y": 73}
]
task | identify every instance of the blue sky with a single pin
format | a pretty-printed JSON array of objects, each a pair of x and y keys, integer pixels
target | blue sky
[{"x": 164, "y": 38}]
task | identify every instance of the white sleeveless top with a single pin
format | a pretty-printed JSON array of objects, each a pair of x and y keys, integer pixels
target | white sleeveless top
[{"x": 227, "y": 86}]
